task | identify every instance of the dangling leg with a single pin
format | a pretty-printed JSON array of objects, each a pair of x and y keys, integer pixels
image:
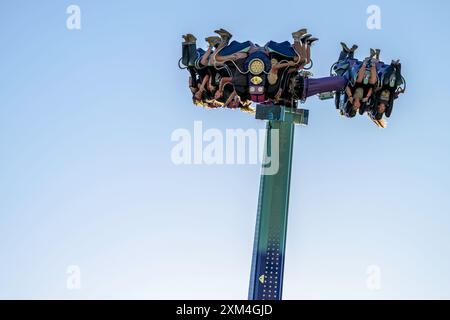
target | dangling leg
[
  {"x": 301, "y": 50},
  {"x": 189, "y": 46},
  {"x": 205, "y": 59},
  {"x": 373, "y": 74},
  {"x": 347, "y": 53},
  {"x": 361, "y": 72},
  {"x": 299, "y": 46},
  {"x": 226, "y": 37},
  {"x": 398, "y": 71},
  {"x": 309, "y": 43}
]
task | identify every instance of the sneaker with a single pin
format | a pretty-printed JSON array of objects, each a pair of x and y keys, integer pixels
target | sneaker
[
  {"x": 310, "y": 41},
  {"x": 345, "y": 48},
  {"x": 298, "y": 34},
  {"x": 189, "y": 38},
  {"x": 213, "y": 41},
  {"x": 224, "y": 34},
  {"x": 377, "y": 54},
  {"x": 305, "y": 37}
]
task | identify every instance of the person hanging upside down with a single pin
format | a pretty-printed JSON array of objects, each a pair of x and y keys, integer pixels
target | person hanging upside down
[
  {"x": 362, "y": 90},
  {"x": 302, "y": 48},
  {"x": 206, "y": 87},
  {"x": 346, "y": 60},
  {"x": 226, "y": 37},
  {"x": 389, "y": 89}
]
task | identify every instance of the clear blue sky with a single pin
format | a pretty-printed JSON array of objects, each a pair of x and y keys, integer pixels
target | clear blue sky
[{"x": 86, "y": 177}]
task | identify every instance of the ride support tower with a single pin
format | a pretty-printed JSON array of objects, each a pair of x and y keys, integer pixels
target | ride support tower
[{"x": 269, "y": 249}]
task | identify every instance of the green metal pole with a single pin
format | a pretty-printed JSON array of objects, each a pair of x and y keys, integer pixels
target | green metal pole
[{"x": 266, "y": 280}]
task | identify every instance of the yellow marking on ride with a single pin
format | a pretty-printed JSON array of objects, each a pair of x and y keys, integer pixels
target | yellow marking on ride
[
  {"x": 256, "y": 80},
  {"x": 256, "y": 66},
  {"x": 262, "y": 279}
]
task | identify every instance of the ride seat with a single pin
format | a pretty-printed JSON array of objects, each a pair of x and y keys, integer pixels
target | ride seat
[
  {"x": 235, "y": 47},
  {"x": 282, "y": 48}
]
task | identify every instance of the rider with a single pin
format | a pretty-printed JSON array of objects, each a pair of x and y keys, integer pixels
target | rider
[
  {"x": 225, "y": 41},
  {"x": 209, "y": 75},
  {"x": 219, "y": 76},
  {"x": 346, "y": 60},
  {"x": 363, "y": 87},
  {"x": 214, "y": 75},
  {"x": 388, "y": 92},
  {"x": 233, "y": 64},
  {"x": 302, "y": 47},
  {"x": 213, "y": 43}
]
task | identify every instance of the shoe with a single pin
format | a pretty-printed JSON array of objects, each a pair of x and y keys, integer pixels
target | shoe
[
  {"x": 345, "y": 48},
  {"x": 310, "y": 41},
  {"x": 213, "y": 41},
  {"x": 372, "y": 53},
  {"x": 354, "y": 47},
  {"x": 305, "y": 37},
  {"x": 189, "y": 38},
  {"x": 377, "y": 54},
  {"x": 298, "y": 34},
  {"x": 224, "y": 34}
]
